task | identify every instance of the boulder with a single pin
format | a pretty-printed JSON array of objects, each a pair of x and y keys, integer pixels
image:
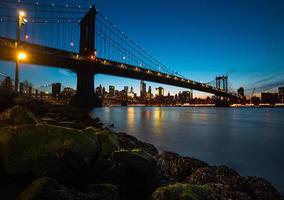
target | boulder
[
  {"x": 260, "y": 189},
  {"x": 202, "y": 176},
  {"x": 181, "y": 191},
  {"x": 141, "y": 181},
  {"x": 108, "y": 141},
  {"x": 48, "y": 188},
  {"x": 15, "y": 116},
  {"x": 221, "y": 175},
  {"x": 137, "y": 159},
  {"x": 104, "y": 192},
  {"x": 227, "y": 176},
  {"x": 108, "y": 171},
  {"x": 129, "y": 142},
  {"x": 45, "y": 189},
  {"x": 46, "y": 150},
  {"x": 176, "y": 167},
  {"x": 224, "y": 192}
]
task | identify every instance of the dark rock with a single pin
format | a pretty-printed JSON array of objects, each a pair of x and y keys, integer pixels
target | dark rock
[
  {"x": 177, "y": 168},
  {"x": 181, "y": 191},
  {"x": 260, "y": 189},
  {"x": 109, "y": 143},
  {"x": 136, "y": 159},
  {"x": 45, "y": 150},
  {"x": 221, "y": 175},
  {"x": 141, "y": 181},
  {"x": 223, "y": 192},
  {"x": 48, "y": 188},
  {"x": 129, "y": 142},
  {"x": 227, "y": 176},
  {"x": 108, "y": 171},
  {"x": 9, "y": 190},
  {"x": 202, "y": 176},
  {"x": 104, "y": 191},
  {"x": 15, "y": 116}
]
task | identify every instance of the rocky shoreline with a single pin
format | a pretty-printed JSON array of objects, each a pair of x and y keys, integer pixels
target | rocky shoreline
[{"x": 58, "y": 152}]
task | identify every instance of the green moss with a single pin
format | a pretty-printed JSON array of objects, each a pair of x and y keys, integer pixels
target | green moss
[
  {"x": 109, "y": 143},
  {"x": 45, "y": 188},
  {"x": 181, "y": 192},
  {"x": 16, "y": 116},
  {"x": 38, "y": 148},
  {"x": 137, "y": 159}
]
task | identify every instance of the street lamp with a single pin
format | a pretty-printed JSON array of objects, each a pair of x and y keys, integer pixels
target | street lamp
[{"x": 21, "y": 56}]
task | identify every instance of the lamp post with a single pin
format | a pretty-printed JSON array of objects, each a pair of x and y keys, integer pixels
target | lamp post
[{"x": 20, "y": 56}]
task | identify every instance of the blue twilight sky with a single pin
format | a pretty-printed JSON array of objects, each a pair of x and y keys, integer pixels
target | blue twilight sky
[{"x": 199, "y": 38}]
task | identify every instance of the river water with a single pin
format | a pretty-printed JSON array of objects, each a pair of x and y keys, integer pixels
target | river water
[{"x": 250, "y": 140}]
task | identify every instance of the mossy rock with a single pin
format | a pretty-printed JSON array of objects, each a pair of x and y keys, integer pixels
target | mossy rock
[
  {"x": 136, "y": 158},
  {"x": 141, "y": 179},
  {"x": 45, "y": 189},
  {"x": 15, "y": 116},
  {"x": 109, "y": 143},
  {"x": 104, "y": 191},
  {"x": 181, "y": 191},
  {"x": 46, "y": 150}
]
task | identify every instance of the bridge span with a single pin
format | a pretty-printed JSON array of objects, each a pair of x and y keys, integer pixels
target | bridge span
[{"x": 86, "y": 63}]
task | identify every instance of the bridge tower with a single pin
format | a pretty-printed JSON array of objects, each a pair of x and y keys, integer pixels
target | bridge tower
[
  {"x": 222, "y": 83},
  {"x": 85, "y": 96}
]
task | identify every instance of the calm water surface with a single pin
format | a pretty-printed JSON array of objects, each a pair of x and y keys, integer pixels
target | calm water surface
[{"x": 250, "y": 140}]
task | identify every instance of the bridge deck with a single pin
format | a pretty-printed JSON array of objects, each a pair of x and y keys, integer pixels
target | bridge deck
[{"x": 45, "y": 56}]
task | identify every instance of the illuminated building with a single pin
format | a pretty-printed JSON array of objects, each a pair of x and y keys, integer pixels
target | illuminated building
[
  {"x": 143, "y": 93},
  {"x": 159, "y": 91},
  {"x": 7, "y": 83},
  {"x": 241, "y": 91},
  {"x": 111, "y": 90},
  {"x": 56, "y": 89},
  {"x": 269, "y": 98},
  {"x": 281, "y": 94}
]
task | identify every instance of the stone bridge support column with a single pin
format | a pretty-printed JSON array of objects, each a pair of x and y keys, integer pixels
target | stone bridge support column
[{"x": 85, "y": 95}]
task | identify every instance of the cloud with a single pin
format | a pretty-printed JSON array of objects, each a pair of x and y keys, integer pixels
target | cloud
[
  {"x": 269, "y": 78},
  {"x": 270, "y": 86},
  {"x": 64, "y": 72}
]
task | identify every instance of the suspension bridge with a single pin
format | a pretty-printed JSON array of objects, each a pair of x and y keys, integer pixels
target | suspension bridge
[{"x": 83, "y": 40}]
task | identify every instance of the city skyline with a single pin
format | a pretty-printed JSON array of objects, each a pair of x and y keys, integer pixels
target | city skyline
[{"x": 219, "y": 38}]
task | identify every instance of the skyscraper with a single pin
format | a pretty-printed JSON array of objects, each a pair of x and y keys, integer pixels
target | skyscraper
[
  {"x": 241, "y": 91},
  {"x": 56, "y": 89},
  {"x": 111, "y": 90},
  {"x": 126, "y": 89},
  {"x": 143, "y": 93},
  {"x": 160, "y": 91},
  {"x": 150, "y": 92},
  {"x": 281, "y": 94}
]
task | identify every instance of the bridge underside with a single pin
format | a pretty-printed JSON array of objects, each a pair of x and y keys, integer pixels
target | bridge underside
[{"x": 86, "y": 68}]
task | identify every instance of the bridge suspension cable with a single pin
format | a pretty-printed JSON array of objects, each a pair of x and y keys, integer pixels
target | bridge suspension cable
[{"x": 125, "y": 49}]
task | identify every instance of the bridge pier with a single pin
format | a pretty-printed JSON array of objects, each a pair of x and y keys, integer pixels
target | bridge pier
[{"x": 85, "y": 95}]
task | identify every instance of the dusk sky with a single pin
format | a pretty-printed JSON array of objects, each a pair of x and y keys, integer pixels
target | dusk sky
[{"x": 198, "y": 38}]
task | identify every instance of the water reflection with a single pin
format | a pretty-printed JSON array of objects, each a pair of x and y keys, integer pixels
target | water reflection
[
  {"x": 249, "y": 140},
  {"x": 131, "y": 117}
]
